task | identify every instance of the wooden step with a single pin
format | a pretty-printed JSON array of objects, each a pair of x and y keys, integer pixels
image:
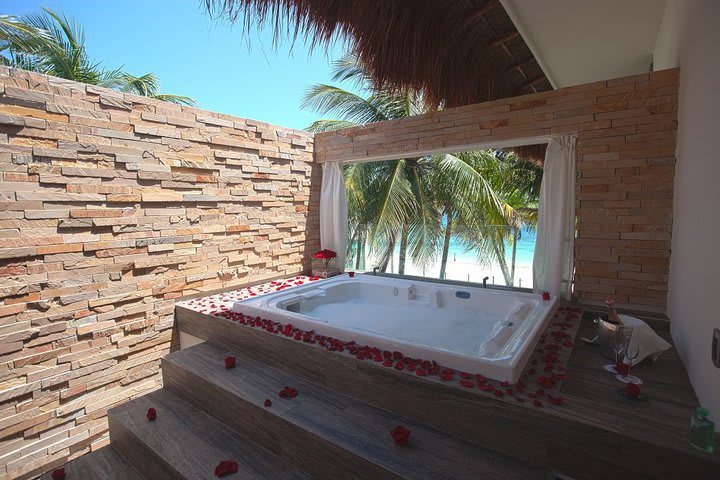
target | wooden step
[
  {"x": 186, "y": 443},
  {"x": 563, "y": 438},
  {"x": 104, "y": 463},
  {"x": 507, "y": 427},
  {"x": 328, "y": 434}
]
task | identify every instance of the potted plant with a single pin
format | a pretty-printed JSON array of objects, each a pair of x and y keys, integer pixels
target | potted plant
[{"x": 323, "y": 264}]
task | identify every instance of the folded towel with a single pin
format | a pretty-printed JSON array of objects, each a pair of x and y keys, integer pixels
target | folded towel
[{"x": 650, "y": 343}]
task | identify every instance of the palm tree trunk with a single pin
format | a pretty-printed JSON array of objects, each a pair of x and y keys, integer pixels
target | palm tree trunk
[
  {"x": 361, "y": 256},
  {"x": 446, "y": 243},
  {"x": 403, "y": 249},
  {"x": 360, "y": 251},
  {"x": 503, "y": 265},
  {"x": 387, "y": 256},
  {"x": 514, "y": 253}
]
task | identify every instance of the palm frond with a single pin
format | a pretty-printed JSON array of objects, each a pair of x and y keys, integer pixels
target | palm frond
[
  {"x": 349, "y": 106},
  {"x": 329, "y": 125},
  {"x": 54, "y": 44}
]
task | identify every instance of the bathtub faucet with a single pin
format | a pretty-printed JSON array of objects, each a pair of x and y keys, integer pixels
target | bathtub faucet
[
  {"x": 485, "y": 282},
  {"x": 375, "y": 270}
]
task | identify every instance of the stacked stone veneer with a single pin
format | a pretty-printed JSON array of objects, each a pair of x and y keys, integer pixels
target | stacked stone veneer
[
  {"x": 111, "y": 207},
  {"x": 626, "y": 144}
]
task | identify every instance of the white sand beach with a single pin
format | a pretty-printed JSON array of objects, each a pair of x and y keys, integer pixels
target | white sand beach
[{"x": 465, "y": 268}]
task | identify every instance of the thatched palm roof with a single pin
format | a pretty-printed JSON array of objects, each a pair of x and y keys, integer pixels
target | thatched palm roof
[{"x": 456, "y": 52}]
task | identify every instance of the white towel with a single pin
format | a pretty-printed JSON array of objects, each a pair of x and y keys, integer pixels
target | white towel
[{"x": 650, "y": 343}]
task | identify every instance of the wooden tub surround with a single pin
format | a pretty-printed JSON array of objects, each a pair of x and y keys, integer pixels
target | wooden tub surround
[{"x": 339, "y": 424}]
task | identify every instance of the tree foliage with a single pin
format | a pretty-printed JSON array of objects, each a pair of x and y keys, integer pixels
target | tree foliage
[
  {"x": 417, "y": 205},
  {"x": 52, "y": 43}
]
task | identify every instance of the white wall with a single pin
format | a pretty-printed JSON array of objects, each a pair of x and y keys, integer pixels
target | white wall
[
  {"x": 666, "y": 53},
  {"x": 694, "y": 290}
]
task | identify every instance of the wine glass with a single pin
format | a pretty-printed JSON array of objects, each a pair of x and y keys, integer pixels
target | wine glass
[
  {"x": 632, "y": 351},
  {"x": 617, "y": 342}
]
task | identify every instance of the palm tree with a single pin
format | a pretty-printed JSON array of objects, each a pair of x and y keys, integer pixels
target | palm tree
[
  {"x": 465, "y": 197},
  {"x": 54, "y": 44},
  {"x": 515, "y": 184},
  {"x": 389, "y": 202},
  {"x": 419, "y": 204}
]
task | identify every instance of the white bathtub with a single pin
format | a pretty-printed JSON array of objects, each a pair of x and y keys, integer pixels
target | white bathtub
[{"x": 475, "y": 330}]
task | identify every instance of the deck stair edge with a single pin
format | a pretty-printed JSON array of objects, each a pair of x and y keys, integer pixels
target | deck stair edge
[
  {"x": 186, "y": 443},
  {"x": 330, "y": 434},
  {"x": 550, "y": 436}
]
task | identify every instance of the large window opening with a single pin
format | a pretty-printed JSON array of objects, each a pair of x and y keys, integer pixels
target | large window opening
[{"x": 462, "y": 216}]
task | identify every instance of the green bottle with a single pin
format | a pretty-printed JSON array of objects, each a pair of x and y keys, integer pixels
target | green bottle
[{"x": 702, "y": 430}]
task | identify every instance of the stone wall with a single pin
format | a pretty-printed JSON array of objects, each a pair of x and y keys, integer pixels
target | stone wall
[
  {"x": 626, "y": 144},
  {"x": 111, "y": 207}
]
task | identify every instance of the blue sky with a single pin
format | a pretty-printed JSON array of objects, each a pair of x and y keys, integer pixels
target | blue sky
[{"x": 209, "y": 60}]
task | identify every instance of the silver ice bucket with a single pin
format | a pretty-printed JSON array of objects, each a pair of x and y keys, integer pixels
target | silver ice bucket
[{"x": 606, "y": 330}]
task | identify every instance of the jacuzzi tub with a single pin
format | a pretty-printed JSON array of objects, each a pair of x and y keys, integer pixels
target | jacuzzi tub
[{"x": 475, "y": 330}]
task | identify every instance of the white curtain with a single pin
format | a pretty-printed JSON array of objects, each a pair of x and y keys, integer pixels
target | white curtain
[
  {"x": 553, "y": 262},
  {"x": 333, "y": 212}
]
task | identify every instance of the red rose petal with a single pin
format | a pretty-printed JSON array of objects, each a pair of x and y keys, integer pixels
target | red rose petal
[
  {"x": 288, "y": 392},
  {"x": 420, "y": 372},
  {"x": 467, "y": 383},
  {"x": 225, "y": 467},
  {"x": 229, "y": 361},
  {"x": 58, "y": 474},
  {"x": 446, "y": 376},
  {"x": 388, "y": 363},
  {"x": 632, "y": 390},
  {"x": 400, "y": 435},
  {"x": 268, "y": 403},
  {"x": 151, "y": 414},
  {"x": 399, "y": 365},
  {"x": 537, "y": 403}
]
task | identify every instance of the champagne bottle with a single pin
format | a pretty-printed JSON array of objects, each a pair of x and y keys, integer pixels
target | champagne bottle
[{"x": 613, "y": 316}]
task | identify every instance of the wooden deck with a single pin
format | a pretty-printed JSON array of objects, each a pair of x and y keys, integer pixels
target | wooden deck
[
  {"x": 663, "y": 420},
  {"x": 596, "y": 434}
]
